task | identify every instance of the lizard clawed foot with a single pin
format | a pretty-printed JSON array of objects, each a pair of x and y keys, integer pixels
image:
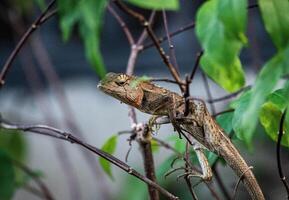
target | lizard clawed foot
[{"x": 173, "y": 171}]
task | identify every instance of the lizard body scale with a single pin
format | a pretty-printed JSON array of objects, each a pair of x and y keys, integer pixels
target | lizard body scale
[{"x": 158, "y": 101}]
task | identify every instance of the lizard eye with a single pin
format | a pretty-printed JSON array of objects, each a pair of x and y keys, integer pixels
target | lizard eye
[{"x": 121, "y": 80}]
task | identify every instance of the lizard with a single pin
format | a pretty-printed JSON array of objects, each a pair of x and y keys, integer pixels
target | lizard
[{"x": 205, "y": 131}]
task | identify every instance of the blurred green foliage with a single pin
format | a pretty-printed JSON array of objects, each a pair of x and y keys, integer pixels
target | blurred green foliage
[
  {"x": 12, "y": 148},
  {"x": 248, "y": 106},
  {"x": 7, "y": 176}
]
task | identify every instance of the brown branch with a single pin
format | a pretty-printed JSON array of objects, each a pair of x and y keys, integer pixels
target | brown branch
[
  {"x": 43, "y": 129},
  {"x": 166, "y": 145},
  {"x": 122, "y": 24},
  {"x": 172, "y": 54},
  {"x": 22, "y": 41},
  {"x": 239, "y": 181},
  {"x": 228, "y": 96},
  {"x": 45, "y": 191},
  {"x": 187, "y": 166},
  {"x": 182, "y": 29},
  {"x": 145, "y": 146},
  {"x": 196, "y": 65},
  {"x": 164, "y": 80},
  {"x": 33, "y": 191},
  {"x": 208, "y": 91},
  {"x": 223, "y": 112},
  {"x": 172, "y": 34},
  {"x": 278, "y": 152},
  {"x": 69, "y": 120}
]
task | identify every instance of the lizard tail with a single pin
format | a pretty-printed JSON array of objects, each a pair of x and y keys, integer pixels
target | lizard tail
[{"x": 240, "y": 167}]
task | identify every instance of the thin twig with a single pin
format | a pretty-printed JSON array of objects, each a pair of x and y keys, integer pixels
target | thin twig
[
  {"x": 172, "y": 34},
  {"x": 69, "y": 120},
  {"x": 164, "y": 80},
  {"x": 187, "y": 166},
  {"x": 166, "y": 145},
  {"x": 223, "y": 112},
  {"x": 239, "y": 181},
  {"x": 22, "y": 41},
  {"x": 229, "y": 96},
  {"x": 145, "y": 146},
  {"x": 122, "y": 24},
  {"x": 208, "y": 91},
  {"x": 36, "y": 87},
  {"x": 196, "y": 65},
  {"x": 172, "y": 54},
  {"x": 73, "y": 139},
  {"x": 278, "y": 149},
  {"x": 182, "y": 29},
  {"x": 45, "y": 191},
  {"x": 33, "y": 191}
]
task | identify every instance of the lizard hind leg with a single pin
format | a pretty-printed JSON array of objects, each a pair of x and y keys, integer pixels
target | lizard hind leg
[{"x": 206, "y": 170}]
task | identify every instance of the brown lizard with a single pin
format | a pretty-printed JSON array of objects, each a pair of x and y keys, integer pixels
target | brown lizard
[{"x": 160, "y": 102}]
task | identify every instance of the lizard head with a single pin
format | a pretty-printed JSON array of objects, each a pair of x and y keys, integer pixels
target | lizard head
[{"x": 120, "y": 86}]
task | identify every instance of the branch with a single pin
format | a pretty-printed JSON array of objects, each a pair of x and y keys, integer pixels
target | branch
[
  {"x": 172, "y": 34},
  {"x": 22, "y": 41},
  {"x": 122, "y": 24},
  {"x": 182, "y": 29},
  {"x": 172, "y": 54},
  {"x": 44, "y": 130},
  {"x": 45, "y": 191},
  {"x": 229, "y": 96},
  {"x": 279, "y": 165},
  {"x": 36, "y": 87}
]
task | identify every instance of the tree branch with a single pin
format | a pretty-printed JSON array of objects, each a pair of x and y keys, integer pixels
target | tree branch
[
  {"x": 49, "y": 131},
  {"x": 22, "y": 41},
  {"x": 45, "y": 191}
]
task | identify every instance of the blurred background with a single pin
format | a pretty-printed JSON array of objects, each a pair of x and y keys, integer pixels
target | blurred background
[{"x": 51, "y": 82}]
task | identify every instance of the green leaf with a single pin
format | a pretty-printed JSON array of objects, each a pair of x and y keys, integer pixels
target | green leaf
[
  {"x": 88, "y": 16},
  {"x": 220, "y": 28},
  {"x": 156, "y": 4},
  {"x": 109, "y": 147},
  {"x": 248, "y": 105},
  {"x": 13, "y": 144},
  {"x": 7, "y": 177},
  {"x": 271, "y": 113},
  {"x": 276, "y": 20}
]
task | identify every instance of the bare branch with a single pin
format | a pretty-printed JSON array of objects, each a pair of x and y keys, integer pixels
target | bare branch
[
  {"x": 172, "y": 54},
  {"x": 229, "y": 96},
  {"x": 22, "y": 41},
  {"x": 43, "y": 129},
  {"x": 172, "y": 34},
  {"x": 45, "y": 191},
  {"x": 122, "y": 24}
]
